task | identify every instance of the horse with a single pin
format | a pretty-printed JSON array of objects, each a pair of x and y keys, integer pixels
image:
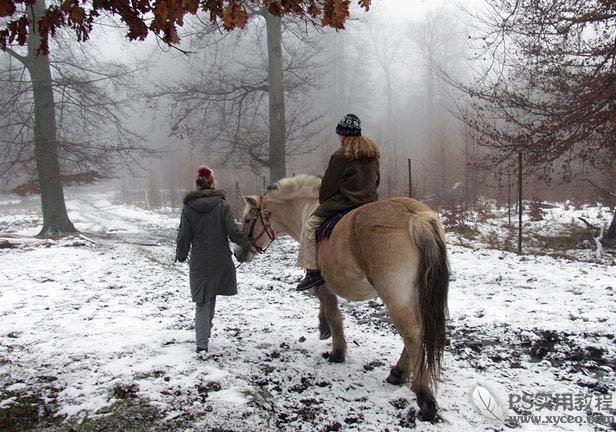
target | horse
[{"x": 393, "y": 248}]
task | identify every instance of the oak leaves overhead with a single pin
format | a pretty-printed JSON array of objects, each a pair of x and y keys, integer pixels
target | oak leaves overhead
[{"x": 160, "y": 17}]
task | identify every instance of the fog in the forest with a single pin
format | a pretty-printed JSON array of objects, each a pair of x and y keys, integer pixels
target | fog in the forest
[{"x": 171, "y": 109}]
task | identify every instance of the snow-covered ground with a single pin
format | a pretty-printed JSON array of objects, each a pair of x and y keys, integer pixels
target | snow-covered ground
[
  {"x": 556, "y": 229},
  {"x": 87, "y": 327}
]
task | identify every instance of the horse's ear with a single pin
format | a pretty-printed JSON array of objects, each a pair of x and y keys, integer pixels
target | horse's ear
[{"x": 252, "y": 200}]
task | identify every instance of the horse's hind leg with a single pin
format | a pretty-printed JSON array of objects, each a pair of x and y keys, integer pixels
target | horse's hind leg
[
  {"x": 409, "y": 327},
  {"x": 324, "y": 330},
  {"x": 331, "y": 312},
  {"x": 399, "y": 374}
]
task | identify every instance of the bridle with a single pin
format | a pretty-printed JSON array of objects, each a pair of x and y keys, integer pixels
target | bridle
[{"x": 267, "y": 230}]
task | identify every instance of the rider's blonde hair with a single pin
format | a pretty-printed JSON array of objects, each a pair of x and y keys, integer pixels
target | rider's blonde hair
[{"x": 359, "y": 147}]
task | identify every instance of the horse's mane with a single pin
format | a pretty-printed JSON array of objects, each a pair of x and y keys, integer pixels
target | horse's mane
[{"x": 301, "y": 186}]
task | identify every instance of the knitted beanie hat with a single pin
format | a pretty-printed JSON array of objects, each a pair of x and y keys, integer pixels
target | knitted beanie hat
[
  {"x": 205, "y": 177},
  {"x": 350, "y": 125}
]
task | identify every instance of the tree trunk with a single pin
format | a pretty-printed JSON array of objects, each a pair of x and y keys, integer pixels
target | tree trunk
[
  {"x": 277, "y": 124},
  {"x": 611, "y": 231},
  {"x": 55, "y": 217},
  {"x": 520, "y": 204}
]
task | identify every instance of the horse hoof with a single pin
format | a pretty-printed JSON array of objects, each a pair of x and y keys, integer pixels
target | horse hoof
[
  {"x": 396, "y": 376},
  {"x": 427, "y": 407},
  {"x": 336, "y": 357}
]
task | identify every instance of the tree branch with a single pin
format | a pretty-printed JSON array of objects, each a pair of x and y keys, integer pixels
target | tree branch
[
  {"x": 604, "y": 191},
  {"x": 22, "y": 59}
]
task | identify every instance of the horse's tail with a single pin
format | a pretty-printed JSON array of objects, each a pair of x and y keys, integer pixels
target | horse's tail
[{"x": 432, "y": 286}]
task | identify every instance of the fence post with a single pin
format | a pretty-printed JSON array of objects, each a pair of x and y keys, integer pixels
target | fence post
[{"x": 410, "y": 179}]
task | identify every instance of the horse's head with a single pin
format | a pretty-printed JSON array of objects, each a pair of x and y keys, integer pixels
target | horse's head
[{"x": 256, "y": 226}]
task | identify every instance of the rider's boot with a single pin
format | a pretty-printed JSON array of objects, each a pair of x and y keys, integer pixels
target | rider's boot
[{"x": 313, "y": 279}]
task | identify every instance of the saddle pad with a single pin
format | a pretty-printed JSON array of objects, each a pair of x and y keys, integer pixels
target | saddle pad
[{"x": 327, "y": 228}]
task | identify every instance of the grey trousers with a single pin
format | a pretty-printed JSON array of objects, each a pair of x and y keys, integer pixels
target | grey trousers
[{"x": 204, "y": 315}]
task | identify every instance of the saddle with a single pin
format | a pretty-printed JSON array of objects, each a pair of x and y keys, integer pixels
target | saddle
[{"x": 325, "y": 230}]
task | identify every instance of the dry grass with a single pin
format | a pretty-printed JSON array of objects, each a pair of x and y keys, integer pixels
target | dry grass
[
  {"x": 572, "y": 237},
  {"x": 464, "y": 230}
]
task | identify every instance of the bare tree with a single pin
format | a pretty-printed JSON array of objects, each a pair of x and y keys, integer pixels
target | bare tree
[
  {"x": 387, "y": 53},
  {"x": 56, "y": 126},
  {"x": 226, "y": 106},
  {"x": 439, "y": 40},
  {"x": 549, "y": 89}
]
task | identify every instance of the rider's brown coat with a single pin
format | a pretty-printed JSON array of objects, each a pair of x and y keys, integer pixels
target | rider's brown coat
[{"x": 348, "y": 183}]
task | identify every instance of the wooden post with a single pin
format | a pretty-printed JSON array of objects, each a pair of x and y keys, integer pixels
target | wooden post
[
  {"x": 509, "y": 195},
  {"x": 410, "y": 179},
  {"x": 520, "y": 208},
  {"x": 423, "y": 180},
  {"x": 238, "y": 199}
]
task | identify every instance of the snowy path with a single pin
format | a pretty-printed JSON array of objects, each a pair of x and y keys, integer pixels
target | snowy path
[{"x": 76, "y": 321}]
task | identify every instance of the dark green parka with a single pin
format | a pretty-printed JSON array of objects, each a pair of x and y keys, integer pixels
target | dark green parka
[
  {"x": 207, "y": 224},
  {"x": 348, "y": 183}
]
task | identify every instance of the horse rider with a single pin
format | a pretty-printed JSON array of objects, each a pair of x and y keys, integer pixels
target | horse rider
[{"x": 350, "y": 180}]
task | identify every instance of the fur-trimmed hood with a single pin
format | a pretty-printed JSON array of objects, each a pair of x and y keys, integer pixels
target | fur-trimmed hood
[{"x": 204, "y": 200}]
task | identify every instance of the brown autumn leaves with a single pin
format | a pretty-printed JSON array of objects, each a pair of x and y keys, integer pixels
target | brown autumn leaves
[{"x": 159, "y": 17}]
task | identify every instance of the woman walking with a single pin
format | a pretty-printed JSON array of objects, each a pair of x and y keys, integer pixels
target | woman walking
[{"x": 206, "y": 226}]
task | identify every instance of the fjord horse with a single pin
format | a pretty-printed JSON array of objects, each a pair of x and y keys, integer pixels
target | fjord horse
[{"x": 393, "y": 249}]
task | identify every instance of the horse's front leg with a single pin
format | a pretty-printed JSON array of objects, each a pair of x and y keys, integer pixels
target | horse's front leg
[{"x": 331, "y": 312}]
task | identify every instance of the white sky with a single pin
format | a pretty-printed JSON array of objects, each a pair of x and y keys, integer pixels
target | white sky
[{"x": 409, "y": 8}]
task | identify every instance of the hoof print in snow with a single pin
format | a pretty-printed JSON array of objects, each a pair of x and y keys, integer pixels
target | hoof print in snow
[
  {"x": 267, "y": 369},
  {"x": 336, "y": 426},
  {"x": 408, "y": 420},
  {"x": 45, "y": 378},
  {"x": 311, "y": 401},
  {"x": 400, "y": 403},
  {"x": 373, "y": 364},
  {"x": 543, "y": 346},
  {"x": 308, "y": 414},
  {"x": 209, "y": 387},
  {"x": 304, "y": 384},
  {"x": 353, "y": 419},
  {"x": 594, "y": 385},
  {"x": 274, "y": 354},
  {"x": 125, "y": 391},
  {"x": 302, "y": 339}
]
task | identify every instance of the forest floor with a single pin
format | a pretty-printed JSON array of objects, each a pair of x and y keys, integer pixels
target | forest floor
[{"x": 96, "y": 333}]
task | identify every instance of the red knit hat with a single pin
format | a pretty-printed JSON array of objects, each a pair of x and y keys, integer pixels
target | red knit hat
[
  {"x": 204, "y": 171},
  {"x": 205, "y": 177}
]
